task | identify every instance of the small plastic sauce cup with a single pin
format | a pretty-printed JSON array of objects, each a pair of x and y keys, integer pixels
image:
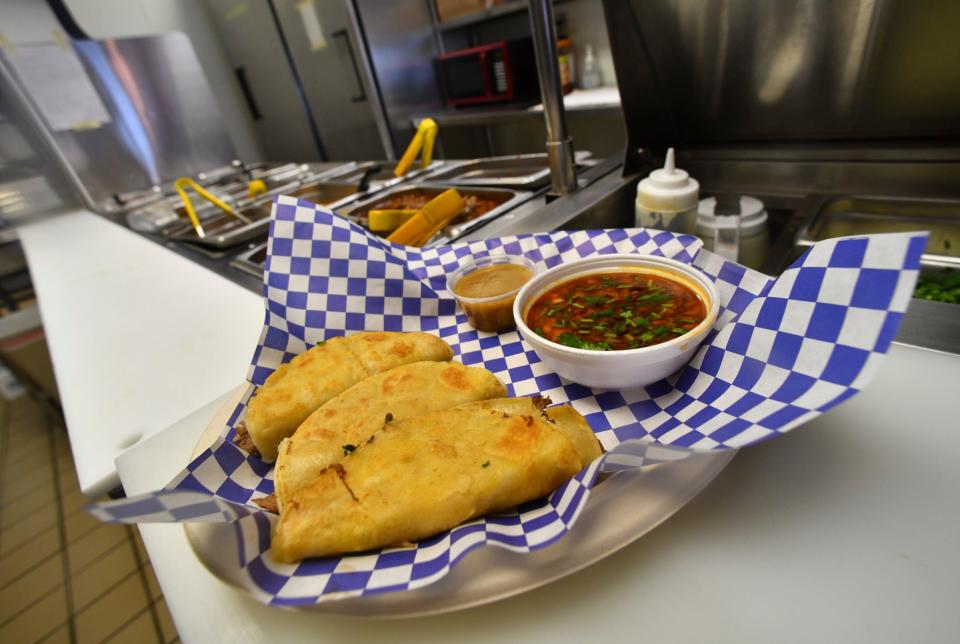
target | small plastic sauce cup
[{"x": 488, "y": 303}]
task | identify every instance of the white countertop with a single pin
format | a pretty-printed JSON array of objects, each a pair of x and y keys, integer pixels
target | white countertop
[
  {"x": 139, "y": 336},
  {"x": 585, "y": 99},
  {"x": 844, "y": 530}
]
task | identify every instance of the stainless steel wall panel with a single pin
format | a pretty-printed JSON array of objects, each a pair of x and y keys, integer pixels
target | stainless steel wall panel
[
  {"x": 402, "y": 47},
  {"x": 720, "y": 71},
  {"x": 163, "y": 121}
]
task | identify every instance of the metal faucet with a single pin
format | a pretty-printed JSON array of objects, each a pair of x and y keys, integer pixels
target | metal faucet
[{"x": 563, "y": 179}]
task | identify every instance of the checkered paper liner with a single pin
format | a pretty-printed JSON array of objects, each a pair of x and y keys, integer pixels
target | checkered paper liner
[{"x": 783, "y": 351}]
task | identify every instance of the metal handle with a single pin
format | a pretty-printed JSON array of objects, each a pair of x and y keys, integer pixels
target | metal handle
[
  {"x": 353, "y": 61},
  {"x": 563, "y": 178},
  {"x": 364, "y": 184},
  {"x": 241, "y": 73}
]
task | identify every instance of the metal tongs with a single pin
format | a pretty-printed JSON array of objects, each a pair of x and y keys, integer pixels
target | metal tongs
[
  {"x": 419, "y": 229},
  {"x": 367, "y": 176},
  {"x": 423, "y": 139},
  {"x": 181, "y": 184}
]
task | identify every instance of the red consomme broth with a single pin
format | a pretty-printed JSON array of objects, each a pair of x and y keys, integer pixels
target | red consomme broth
[{"x": 616, "y": 311}]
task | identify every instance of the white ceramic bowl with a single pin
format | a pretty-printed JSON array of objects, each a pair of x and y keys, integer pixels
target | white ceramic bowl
[{"x": 630, "y": 367}]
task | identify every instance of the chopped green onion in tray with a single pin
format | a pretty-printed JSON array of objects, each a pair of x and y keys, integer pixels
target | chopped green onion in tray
[{"x": 939, "y": 287}]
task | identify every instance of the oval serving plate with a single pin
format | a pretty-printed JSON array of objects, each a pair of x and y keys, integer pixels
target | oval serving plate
[{"x": 621, "y": 509}]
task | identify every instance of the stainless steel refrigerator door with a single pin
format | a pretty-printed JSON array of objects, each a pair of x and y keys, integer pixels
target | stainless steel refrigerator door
[
  {"x": 402, "y": 46},
  {"x": 255, "y": 51},
  {"x": 325, "y": 53}
]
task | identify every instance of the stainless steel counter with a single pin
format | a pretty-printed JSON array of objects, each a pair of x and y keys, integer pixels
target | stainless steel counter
[
  {"x": 793, "y": 192},
  {"x": 237, "y": 258}
]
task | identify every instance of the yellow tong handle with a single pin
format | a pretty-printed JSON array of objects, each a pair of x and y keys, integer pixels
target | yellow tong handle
[
  {"x": 435, "y": 214},
  {"x": 181, "y": 185},
  {"x": 424, "y": 139},
  {"x": 388, "y": 220}
]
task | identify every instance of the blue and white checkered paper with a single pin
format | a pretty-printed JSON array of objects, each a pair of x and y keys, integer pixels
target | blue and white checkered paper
[{"x": 782, "y": 352}]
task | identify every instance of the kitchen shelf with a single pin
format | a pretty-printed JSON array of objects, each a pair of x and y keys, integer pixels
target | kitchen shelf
[
  {"x": 489, "y": 115},
  {"x": 483, "y": 15},
  {"x": 496, "y": 11},
  {"x": 477, "y": 115}
]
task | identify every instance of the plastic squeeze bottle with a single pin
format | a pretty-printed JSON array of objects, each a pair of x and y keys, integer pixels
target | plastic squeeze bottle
[
  {"x": 668, "y": 199},
  {"x": 591, "y": 72}
]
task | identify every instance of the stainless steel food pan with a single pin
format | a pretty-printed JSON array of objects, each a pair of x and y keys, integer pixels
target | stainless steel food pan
[
  {"x": 325, "y": 193},
  {"x": 506, "y": 199},
  {"x": 252, "y": 262},
  {"x": 383, "y": 178},
  {"x": 843, "y": 216},
  {"x": 523, "y": 171},
  {"x": 224, "y": 231}
]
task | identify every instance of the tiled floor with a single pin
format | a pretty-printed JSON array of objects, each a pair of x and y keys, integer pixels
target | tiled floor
[{"x": 65, "y": 577}]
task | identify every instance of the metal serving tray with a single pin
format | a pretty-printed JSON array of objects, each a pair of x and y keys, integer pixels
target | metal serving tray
[
  {"x": 271, "y": 173},
  {"x": 252, "y": 262},
  {"x": 854, "y": 215},
  {"x": 524, "y": 171},
  {"x": 357, "y": 211},
  {"x": 224, "y": 231},
  {"x": 168, "y": 215},
  {"x": 384, "y": 178},
  {"x": 622, "y": 508},
  {"x": 932, "y": 325},
  {"x": 230, "y": 181}
]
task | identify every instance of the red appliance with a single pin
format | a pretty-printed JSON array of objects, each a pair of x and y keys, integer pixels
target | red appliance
[{"x": 499, "y": 72}]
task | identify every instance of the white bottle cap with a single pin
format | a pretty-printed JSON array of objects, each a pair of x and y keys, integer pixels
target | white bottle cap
[{"x": 669, "y": 189}]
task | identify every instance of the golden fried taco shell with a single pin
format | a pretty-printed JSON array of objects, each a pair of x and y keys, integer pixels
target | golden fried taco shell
[
  {"x": 576, "y": 428},
  {"x": 352, "y": 417},
  {"x": 424, "y": 475},
  {"x": 296, "y": 389},
  {"x": 565, "y": 417}
]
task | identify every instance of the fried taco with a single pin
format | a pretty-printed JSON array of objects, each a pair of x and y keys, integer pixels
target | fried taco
[
  {"x": 426, "y": 474},
  {"x": 296, "y": 389},
  {"x": 351, "y": 418}
]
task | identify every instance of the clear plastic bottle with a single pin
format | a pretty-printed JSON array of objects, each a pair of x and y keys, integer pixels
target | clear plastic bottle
[
  {"x": 668, "y": 199},
  {"x": 591, "y": 72}
]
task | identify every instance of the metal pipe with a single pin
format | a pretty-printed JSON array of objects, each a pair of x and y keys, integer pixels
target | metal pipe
[{"x": 563, "y": 179}]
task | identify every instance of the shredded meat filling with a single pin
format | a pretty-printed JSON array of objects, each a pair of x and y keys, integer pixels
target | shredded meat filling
[
  {"x": 268, "y": 503},
  {"x": 243, "y": 440},
  {"x": 541, "y": 402}
]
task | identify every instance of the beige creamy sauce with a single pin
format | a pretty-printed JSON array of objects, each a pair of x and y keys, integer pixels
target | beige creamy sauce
[{"x": 492, "y": 280}]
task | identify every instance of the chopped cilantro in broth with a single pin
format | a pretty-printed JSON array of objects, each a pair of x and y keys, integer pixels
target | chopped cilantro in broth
[{"x": 616, "y": 311}]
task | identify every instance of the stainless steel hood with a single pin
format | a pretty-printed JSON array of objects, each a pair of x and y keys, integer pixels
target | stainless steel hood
[{"x": 769, "y": 74}]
